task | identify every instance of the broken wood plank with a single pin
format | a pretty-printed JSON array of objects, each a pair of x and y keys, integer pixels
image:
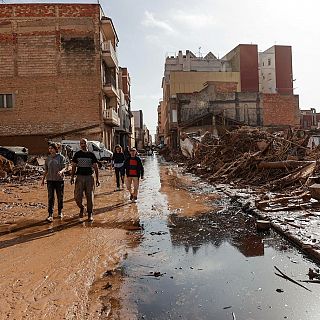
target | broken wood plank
[
  {"x": 290, "y": 279},
  {"x": 283, "y": 164},
  {"x": 293, "y": 177}
]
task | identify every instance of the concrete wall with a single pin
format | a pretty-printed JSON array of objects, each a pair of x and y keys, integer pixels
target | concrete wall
[
  {"x": 182, "y": 82},
  {"x": 241, "y": 107},
  {"x": 50, "y": 62}
]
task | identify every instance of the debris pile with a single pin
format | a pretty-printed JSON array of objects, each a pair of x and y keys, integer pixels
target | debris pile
[
  {"x": 19, "y": 173},
  {"x": 250, "y": 156}
]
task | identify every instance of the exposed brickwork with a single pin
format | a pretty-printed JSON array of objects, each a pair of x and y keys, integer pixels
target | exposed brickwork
[
  {"x": 50, "y": 61},
  {"x": 280, "y": 110},
  {"x": 224, "y": 87}
]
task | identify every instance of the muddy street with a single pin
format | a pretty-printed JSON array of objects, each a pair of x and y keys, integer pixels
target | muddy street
[{"x": 183, "y": 251}]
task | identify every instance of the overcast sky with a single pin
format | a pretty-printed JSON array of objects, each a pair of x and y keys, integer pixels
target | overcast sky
[{"x": 148, "y": 30}]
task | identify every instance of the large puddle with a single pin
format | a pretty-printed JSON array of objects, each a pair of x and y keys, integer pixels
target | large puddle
[{"x": 200, "y": 257}]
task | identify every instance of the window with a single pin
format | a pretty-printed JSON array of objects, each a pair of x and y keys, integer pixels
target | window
[
  {"x": 6, "y": 101},
  {"x": 269, "y": 61}
]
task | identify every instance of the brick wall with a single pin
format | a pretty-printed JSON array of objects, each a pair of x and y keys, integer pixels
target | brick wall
[
  {"x": 280, "y": 110},
  {"x": 223, "y": 87},
  {"x": 50, "y": 61}
]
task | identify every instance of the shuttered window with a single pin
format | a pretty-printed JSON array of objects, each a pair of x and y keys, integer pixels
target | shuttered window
[{"x": 6, "y": 101}]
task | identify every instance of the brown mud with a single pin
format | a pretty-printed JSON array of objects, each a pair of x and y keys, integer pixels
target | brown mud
[{"x": 51, "y": 270}]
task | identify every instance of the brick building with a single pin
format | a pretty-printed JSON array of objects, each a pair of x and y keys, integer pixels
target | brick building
[
  {"x": 244, "y": 87},
  {"x": 58, "y": 74},
  {"x": 309, "y": 119}
]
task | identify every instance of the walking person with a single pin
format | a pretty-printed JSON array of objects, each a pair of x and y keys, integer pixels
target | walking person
[
  {"x": 118, "y": 164},
  {"x": 127, "y": 152},
  {"x": 134, "y": 171},
  {"x": 84, "y": 164},
  {"x": 55, "y": 166}
]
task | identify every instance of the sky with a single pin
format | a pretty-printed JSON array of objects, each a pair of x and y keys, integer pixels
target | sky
[{"x": 149, "y": 30}]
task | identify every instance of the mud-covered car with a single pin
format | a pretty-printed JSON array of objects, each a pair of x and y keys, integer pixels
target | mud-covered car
[{"x": 18, "y": 155}]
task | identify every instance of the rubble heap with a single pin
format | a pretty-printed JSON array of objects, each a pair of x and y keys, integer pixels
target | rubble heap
[
  {"x": 19, "y": 173},
  {"x": 250, "y": 156}
]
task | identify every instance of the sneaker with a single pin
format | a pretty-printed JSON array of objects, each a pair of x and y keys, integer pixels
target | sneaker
[
  {"x": 118, "y": 189},
  {"x": 60, "y": 215},
  {"x": 50, "y": 219},
  {"x": 81, "y": 213},
  {"x": 135, "y": 198},
  {"x": 90, "y": 217}
]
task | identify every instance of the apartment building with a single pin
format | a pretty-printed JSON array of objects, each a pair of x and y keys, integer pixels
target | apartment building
[
  {"x": 309, "y": 119},
  {"x": 138, "y": 129},
  {"x": 236, "y": 87},
  {"x": 59, "y": 74},
  {"x": 123, "y": 132}
]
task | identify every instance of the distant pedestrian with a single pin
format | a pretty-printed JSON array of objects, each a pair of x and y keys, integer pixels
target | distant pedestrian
[
  {"x": 55, "y": 166},
  {"x": 118, "y": 164},
  {"x": 134, "y": 171},
  {"x": 127, "y": 152},
  {"x": 84, "y": 164}
]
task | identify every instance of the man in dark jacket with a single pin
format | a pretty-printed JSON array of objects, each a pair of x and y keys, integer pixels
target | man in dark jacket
[{"x": 134, "y": 171}]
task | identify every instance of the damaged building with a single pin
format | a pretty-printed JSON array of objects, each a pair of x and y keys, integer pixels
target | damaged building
[
  {"x": 60, "y": 76},
  {"x": 242, "y": 88}
]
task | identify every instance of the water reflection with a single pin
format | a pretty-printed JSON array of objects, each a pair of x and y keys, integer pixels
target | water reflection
[
  {"x": 216, "y": 228},
  {"x": 210, "y": 266}
]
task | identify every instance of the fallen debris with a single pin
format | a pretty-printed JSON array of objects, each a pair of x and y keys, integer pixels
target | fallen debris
[{"x": 282, "y": 275}]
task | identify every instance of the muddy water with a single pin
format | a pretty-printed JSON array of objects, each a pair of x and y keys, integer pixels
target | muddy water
[{"x": 200, "y": 257}]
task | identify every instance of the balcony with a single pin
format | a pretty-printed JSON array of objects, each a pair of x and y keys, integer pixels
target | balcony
[
  {"x": 109, "y": 54},
  {"x": 110, "y": 87},
  {"x": 173, "y": 126},
  {"x": 111, "y": 118}
]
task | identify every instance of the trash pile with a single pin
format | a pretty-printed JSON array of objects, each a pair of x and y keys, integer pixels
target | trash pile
[{"x": 253, "y": 157}]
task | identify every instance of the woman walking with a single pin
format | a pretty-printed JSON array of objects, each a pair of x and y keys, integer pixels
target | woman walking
[
  {"x": 118, "y": 164},
  {"x": 55, "y": 166}
]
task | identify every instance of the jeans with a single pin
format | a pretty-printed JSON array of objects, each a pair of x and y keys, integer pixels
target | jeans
[
  {"x": 119, "y": 173},
  {"x": 58, "y": 187}
]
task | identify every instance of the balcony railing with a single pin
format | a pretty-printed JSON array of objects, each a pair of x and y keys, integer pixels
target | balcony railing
[
  {"x": 109, "y": 54},
  {"x": 110, "y": 86},
  {"x": 111, "y": 117}
]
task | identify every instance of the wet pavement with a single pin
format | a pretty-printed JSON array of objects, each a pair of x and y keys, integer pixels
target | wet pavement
[
  {"x": 185, "y": 250},
  {"x": 200, "y": 257}
]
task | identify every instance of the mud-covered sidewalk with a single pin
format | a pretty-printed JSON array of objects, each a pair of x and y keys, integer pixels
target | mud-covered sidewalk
[{"x": 51, "y": 270}]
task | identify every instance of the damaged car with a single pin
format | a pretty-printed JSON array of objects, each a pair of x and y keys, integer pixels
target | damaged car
[{"x": 18, "y": 155}]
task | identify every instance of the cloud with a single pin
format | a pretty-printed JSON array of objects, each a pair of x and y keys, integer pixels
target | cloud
[
  {"x": 156, "y": 96},
  {"x": 193, "y": 20},
  {"x": 150, "y": 21}
]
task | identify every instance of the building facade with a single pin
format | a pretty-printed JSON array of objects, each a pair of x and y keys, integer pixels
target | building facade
[
  {"x": 309, "y": 119},
  {"x": 138, "y": 129},
  {"x": 233, "y": 88},
  {"x": 59, "y": 75},
  {"x": 123, "y": 132}
]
